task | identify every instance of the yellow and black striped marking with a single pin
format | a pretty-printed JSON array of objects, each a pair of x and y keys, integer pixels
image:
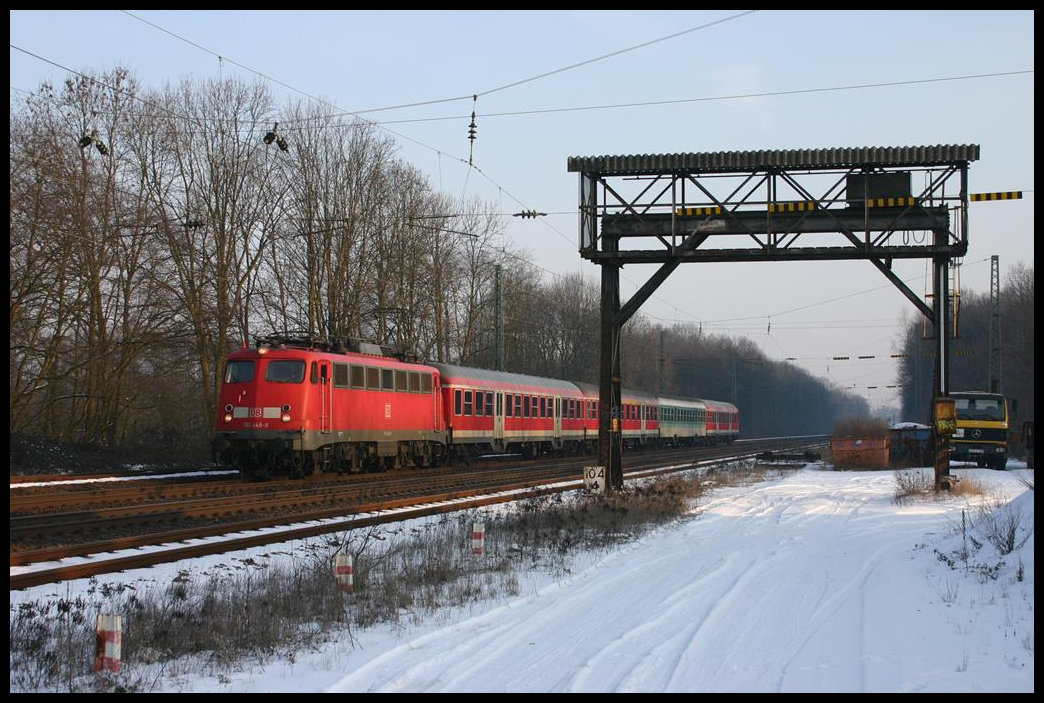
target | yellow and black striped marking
[
  {"x": 705, "y": 210},
  {"x": 1003, "y": 195},
  {"x": 798, "y": 206},
  {"x": 891, "y": 202}
]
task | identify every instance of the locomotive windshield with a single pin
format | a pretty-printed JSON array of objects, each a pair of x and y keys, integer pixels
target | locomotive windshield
[
  {"x": 239, "y": 371},
  {"x": 279, "y": 371}
]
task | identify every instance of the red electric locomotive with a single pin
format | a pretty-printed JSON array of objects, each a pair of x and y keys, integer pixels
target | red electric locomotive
[{"x": 297, "y": 405}]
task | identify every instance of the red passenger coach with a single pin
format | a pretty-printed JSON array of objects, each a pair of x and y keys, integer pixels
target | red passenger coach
[
  {"x": 497, "y": 411},
  {"x": 722, "y": 421},
  {"x": 298, "y": 406},
  {"x": 638, "y": 416}
]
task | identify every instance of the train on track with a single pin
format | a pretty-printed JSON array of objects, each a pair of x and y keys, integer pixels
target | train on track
[{"x": 295, "y": 405}]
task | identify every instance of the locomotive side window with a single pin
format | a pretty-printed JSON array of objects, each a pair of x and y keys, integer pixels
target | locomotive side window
[
  {"x": 314, "y": 375},
  {"x": 340, "y": 375},
  {"x": 373, "y": 379},
  {"x": 401, "y": 382},
  {"x": 425, "y": 383},
  {"x": 280, "y": 371},
  {"x": 358, "y": 376},
  {"x": 387, "y": 380},
  {"x": 456, "y": 402},
  {"x": 239, "y": 371},
  {"x": 414, "y": 382}
]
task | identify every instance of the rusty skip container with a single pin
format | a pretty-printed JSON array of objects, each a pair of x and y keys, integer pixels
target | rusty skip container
[{"x": 859, "y": 452}]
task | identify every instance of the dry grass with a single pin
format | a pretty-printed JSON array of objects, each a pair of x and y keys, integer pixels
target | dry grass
[{"x": 911, "y": 484}]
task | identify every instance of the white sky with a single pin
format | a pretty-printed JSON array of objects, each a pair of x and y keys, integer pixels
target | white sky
[
  {"x": 541, "y": 67},
  {"x": 813, "y": 582}
]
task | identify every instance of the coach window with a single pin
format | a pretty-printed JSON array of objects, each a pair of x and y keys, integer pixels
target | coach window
[
  {"x": 525, "y": 406},
  {"x": 508, "y": 402},
  {"x": 340, "y": 375},
  {"x": 414, "y": 382},
  {"x": 467, "y": 402},
  {"x": 518, "y": 406},
  {"x": 279, "y": 371},
  {"x": 489, "y": 403},
  {"x": 480, "y": 403},
  {"x": 373, "y": 378},
  {"x": 239, "y": 371},
  {"x": 456, "y": 402},
  {"x": 402, "y": 385}
]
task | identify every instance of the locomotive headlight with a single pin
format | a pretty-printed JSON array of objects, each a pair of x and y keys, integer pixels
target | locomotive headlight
[
  {"x": 286, "y": 417},
  {"x": 228, "y": 417}
]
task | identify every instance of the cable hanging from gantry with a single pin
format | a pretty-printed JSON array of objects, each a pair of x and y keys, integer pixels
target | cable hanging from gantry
[{"x": 472, "y": 129}]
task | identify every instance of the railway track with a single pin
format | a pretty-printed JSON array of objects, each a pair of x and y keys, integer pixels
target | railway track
[{"x": 45, "y": 531}]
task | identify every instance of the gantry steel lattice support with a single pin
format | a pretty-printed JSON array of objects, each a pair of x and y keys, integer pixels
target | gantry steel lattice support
[
  {"x": 678, "y": 208},
  {"x": 995, "y": 368}
]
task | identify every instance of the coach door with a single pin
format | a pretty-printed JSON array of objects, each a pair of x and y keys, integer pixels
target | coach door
[
  {"x": 498, "y": 419},
  {"x": 558, "y": 417}
]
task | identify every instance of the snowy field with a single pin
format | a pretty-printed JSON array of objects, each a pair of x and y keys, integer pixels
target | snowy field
[{"x": 816, "y": 581}]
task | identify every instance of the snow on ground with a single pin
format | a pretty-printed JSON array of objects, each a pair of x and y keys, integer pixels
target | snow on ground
[{"x": 815, "y": 582}]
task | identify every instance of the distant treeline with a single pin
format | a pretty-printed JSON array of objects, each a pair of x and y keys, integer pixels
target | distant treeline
[{"x": 998, "y": 336}]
